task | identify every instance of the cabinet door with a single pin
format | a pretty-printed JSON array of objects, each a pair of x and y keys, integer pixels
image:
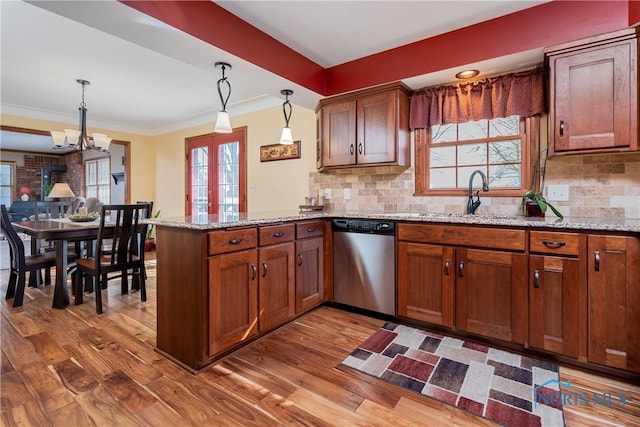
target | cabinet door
[
  {"x": 594, "y": 98},
  {"x": 426, "y": 278},
  {"x": 233, "y": 299},
  {"x": 309, "y": 273},
  {"x": 277, "y": 284},
  {"x": 377, "y": 128},
  {"x": 554, "y": 303},
  {"x": 614, "y": 301},
  {"x": 491, "y": 294},
  {"x": 339, "y": 134}
]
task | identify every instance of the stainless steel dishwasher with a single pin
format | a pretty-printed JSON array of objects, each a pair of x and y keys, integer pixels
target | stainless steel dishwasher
[{"x": 364, "y": 264}]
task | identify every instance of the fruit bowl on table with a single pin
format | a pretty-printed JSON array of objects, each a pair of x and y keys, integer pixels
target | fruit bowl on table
[{"x": 83, "y": 218}]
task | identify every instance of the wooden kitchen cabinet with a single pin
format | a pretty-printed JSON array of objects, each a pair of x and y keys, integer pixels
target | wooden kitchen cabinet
[
  {"x": 593, "y": 87},
  {"x": 614, "y": 301},
  {"x": 426, "y": 283},
  {"x": 483, "y": 280},
  {"x": 276, "y": 278},
  {"x": 309, "y": 265},
  {"x": 557, "y": 281},
  {"x": 233, "y": 299},
  {"x": 366, "y": 128}
]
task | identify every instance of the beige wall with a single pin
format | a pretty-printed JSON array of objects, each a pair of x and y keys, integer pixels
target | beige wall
[
  {"x": 143, "y": 170},
  {"x": 271, "y": 186}
]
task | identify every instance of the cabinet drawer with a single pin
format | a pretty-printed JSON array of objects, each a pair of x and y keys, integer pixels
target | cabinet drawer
[
  {"x": 480, "y": 237},
  {"x": 232, "y": 240},
  {"x": 549, "y": 242},
  {"x": 272, "y": 234},
  {"x": 309, "y": 229}
]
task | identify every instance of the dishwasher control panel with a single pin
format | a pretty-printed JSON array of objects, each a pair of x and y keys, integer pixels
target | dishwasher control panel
[{"x": 364, "y": 226}]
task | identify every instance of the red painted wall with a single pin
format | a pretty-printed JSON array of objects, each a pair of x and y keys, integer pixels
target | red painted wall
[{"x": 536, "y": 27}]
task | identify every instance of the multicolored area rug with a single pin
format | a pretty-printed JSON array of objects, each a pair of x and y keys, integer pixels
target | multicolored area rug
[{"x": 507, "y": 388}]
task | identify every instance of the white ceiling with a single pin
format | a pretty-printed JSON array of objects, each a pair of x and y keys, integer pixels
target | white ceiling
[{"x": 149, "y": 78}]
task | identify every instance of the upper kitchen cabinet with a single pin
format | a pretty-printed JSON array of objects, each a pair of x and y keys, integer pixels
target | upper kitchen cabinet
[
  {"x": 364, "y": 128},
  {"x": 593, "y": 87}
]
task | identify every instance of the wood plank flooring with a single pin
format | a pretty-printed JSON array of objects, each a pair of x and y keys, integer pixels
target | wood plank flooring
[{"x": 73, "y": 367}]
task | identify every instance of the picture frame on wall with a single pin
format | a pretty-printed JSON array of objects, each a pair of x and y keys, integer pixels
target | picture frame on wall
[{"x": 269, "y": 153}]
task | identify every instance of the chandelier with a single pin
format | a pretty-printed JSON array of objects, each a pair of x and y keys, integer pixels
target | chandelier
[{"x": 78, "y": 139}]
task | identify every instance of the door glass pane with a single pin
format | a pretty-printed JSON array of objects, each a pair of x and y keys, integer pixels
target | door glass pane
[
  {"x": 199, "y": 181},
  {"x": 228, "y": 180}
]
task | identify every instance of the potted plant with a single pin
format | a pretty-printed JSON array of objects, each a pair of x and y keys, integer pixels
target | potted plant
[
  {"x": 149, "y": 240},
  {"x": 534, "y": 204}
]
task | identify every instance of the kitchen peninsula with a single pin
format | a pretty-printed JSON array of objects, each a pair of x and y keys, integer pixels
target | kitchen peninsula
[{"x": 567, "y": 290}]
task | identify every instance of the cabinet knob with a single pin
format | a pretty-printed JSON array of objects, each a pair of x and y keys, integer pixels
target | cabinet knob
[
  {"x": 351, "y": 149},
  {"x": 299, "y": 260},
  {"x": 561, "y": 127},
  {"x": 264, "y": 269},
  {"x": 461, "y": 269},
  {"x": 360, "y": 148},
  {"x": 278, "y": 234},
  {"x": 536, "y": 279},
  {"x": 235, "y": 241},
  {"x": 446, "y": 267},
  {"x": 255, "y": 271},
  {"x": 310, "y": 230},
  {"x": 596, "y": 259}
]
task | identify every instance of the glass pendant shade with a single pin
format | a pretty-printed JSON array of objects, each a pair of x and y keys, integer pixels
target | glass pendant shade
[
  {"x": 58, "y": 138},
  {"x": 101, "y": 141},
  {"x": 223, "y": 125},
  {"x": 61, "y": 190},
  {"x": 286, "y": 138},
  {"x": 73, "y": 136}
]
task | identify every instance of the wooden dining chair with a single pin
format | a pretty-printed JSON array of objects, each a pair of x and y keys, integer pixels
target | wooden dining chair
[
  {"x": 19, "y": 262},
  {"x": 120, "y": 231}
]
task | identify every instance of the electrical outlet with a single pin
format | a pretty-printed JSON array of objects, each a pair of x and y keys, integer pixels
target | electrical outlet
[
  {"x": 347, "y": 193},
  {"x": 327, "y": 194},
  {"x": 558, "y": 193}
]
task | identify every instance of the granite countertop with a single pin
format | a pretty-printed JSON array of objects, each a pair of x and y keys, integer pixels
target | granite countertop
[{"x": 214, "y": 222}]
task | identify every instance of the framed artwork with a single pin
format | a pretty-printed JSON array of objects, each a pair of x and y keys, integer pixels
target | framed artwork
[{"x": 269, "y": 153}]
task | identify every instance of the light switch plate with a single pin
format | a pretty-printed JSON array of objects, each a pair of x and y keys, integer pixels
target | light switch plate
[
  {"x": 558, "y": 193},
  {"x": 347, "y": 193},
  {"x": 327, "y": 194}
]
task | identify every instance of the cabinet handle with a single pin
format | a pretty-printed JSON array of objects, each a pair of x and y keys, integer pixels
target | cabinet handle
[
  {"x": 278, "y": 234},
  {"x": 235, "y": 241},
  {"x": 461, "y": 269},
  {"x": 351, "y": 149},
  {"x": 596, "y": 256},
  {"x": 536, "y": 279},
  {"x": 299, "y": 260},
  {"x": 360, "y": 148},
  {"x": 561, "y": 127},
  {"x": 264, "y": 269},
  {"x": 311, "y": 230},
  {"x": 553, "y": 245},
  {"x": 255, "y": 271},
  {"x": 446, "y": 268}
]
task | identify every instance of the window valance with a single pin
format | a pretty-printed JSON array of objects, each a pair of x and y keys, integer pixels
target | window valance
[{"x": 519, "y": 94}]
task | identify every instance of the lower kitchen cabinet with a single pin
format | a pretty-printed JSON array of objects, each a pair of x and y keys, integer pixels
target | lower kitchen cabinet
[
  {"x": 309, "y": 273},
  {"x": 614, "y": 301},
  {"x": 426, "y": 283},
  {"x": 276, "y": 284},
  {"x": 554, "y": 316},
  {"x": 233, "y": 299},
  {"x": 491, "y": 294}
]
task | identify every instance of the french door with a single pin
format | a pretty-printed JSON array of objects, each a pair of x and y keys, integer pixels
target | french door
[{"x": 216, "y": 175}]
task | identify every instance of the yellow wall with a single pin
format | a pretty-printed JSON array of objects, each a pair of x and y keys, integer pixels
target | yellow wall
[
  {"x": 277, "y": 185},
  {"x": 143, "y": 168}
]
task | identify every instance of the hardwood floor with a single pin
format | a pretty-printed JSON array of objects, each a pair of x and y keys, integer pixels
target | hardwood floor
[{"x": 73, "y": 367}]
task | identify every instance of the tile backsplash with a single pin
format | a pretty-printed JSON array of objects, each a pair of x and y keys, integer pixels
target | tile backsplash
[{"x": 601, "y": 186}]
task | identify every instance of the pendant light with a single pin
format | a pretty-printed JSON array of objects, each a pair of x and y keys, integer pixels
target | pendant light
[
  {"x": 286, "y": 138},
  {"x": 77, "y": 138},
  {"x": 223, "y": 125}
]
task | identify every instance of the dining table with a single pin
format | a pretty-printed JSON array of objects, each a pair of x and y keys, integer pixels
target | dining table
[{"x": 61, "y": 232}]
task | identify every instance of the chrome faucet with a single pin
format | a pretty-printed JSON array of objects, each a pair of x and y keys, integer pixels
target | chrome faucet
[{"x": 472, "y": 205}]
